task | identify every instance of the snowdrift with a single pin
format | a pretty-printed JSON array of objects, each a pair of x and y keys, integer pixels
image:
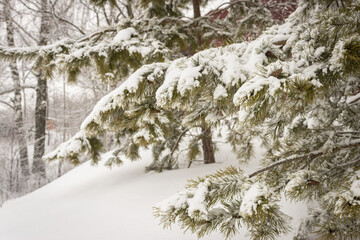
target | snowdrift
[{"x": 98, "y": 203}]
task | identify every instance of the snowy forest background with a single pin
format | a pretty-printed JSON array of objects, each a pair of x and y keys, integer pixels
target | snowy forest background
[
  {"x": 270, "y": 87},
  {"x": 66, "y": 105}
]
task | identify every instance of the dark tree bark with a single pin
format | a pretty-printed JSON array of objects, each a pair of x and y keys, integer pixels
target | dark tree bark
[
  {"x": 207, "y": 145},
  {"x": 19, "y": 121},
  {"x": 196, "y": 8},
  {"x": 129, "y": 9},
  {"x": 197, "y": 14},
  {"x": 38, "y": 167}
]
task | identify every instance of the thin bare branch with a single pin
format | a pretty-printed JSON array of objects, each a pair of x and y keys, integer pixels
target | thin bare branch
[
  {"x": 7, "y": 104},
  {"x": 178, "y": 141},
  {"x": 12, "y": 89},
  {"x": 308, "y": 156},
  {"x": 24, "y": 31}
]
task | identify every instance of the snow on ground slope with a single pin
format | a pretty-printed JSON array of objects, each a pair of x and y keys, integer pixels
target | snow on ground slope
[{"x": 97, "y": 203}]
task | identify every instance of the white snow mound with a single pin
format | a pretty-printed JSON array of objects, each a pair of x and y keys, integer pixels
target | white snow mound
[{"x": 98, "y": 203}]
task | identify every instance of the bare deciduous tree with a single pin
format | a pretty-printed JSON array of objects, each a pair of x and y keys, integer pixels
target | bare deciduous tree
[{"x": 19, "y": 124}]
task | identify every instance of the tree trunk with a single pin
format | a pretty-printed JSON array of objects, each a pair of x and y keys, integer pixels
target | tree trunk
[
  {"x": 13, "y": 170},
  {"x": 206, "y": 138},
  {"x": 38, "y": 167},
  {"x": 19, "y": 121},
  {"x": 197, "y": 14},
  {"x": 207, "y": 145},
  {"x": 129, "y": 9},
  {"x": 64, "y": 123},
  {"x": 196, "y": 8},
  {"x": 19, "y": 124}
]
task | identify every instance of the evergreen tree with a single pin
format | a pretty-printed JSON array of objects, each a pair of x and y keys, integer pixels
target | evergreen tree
[
  {"x": 160, "y": 34},
  {"x": 299, "y": 93}
]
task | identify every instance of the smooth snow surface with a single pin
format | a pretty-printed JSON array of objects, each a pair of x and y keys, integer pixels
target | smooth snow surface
[{"x": 98, "y": 203}]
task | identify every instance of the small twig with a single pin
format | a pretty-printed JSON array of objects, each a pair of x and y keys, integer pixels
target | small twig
[
  {"x": 178, "y": 141},
  {"x": 9, "y": 194},
  {"x": 189, "y": 164},
  {"x": 13, "y": 89},
  {"x": 121, "y": 12},
  {"x": 23, "y": 30},
  {"x": 7, "y": 104},
  {"x": 310, "y": 156},
  {"x": 344, "y": 165}
]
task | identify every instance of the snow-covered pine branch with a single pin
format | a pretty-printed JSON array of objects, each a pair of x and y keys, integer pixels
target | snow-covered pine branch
[
  {"x": 158, "y": 35},
  {"x": 113, "y": 55},
  {"x": 224, "y": 201},
  {"x": 72, "y": 149},
  {"x": 295, "y": 100}
]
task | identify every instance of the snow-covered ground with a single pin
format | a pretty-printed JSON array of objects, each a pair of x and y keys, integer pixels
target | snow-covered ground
[{"x": 98, "y": 203}]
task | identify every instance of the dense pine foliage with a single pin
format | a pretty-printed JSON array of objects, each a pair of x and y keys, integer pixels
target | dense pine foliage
[
  {"x": 296, "y": 87},
  {"x": 301, "y": 98}
]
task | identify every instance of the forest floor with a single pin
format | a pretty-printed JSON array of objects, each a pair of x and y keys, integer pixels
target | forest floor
[{"x": 98, "y": 203}]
